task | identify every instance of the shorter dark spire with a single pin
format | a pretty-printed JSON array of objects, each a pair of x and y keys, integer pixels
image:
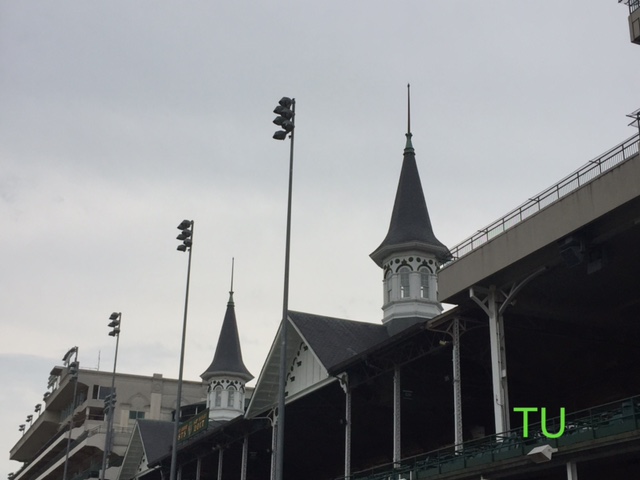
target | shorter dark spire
[{"x": 228, "y": 357}]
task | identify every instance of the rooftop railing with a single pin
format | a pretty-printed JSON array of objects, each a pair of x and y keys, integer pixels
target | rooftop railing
[
  {"x": 585, "y": 174},
  {"x": 633, "y": 4}
]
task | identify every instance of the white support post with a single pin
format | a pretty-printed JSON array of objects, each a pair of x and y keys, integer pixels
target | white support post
[
  {"x": 199, "y": 468},
  {"x": 245, "y": 458},
  {"x": 498, "y": 358},
  {"x": 572, "y": 471},
  {"x": 498, "y": 351},
  {"x": 457, "y": 384},
  {"x": 397, "y": 418}
]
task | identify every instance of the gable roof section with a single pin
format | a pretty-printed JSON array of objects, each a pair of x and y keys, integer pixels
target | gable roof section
[
  {"x": 332, "y": 341},
  {"x": 335, "y": 340},
  {"x": 157, "y": 437}
]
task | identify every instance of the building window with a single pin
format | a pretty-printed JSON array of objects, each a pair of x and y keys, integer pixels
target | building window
[
  {"x": 404, "y": 282},
  {"x": 232, "y": 397},
  {"x": 217, "y": 396},
  {"x": 424, "y": 283},
  {"x": 101, "y": 392},
  {"x": 387, "y": 286},
  {"x": 136, "y": 415}
]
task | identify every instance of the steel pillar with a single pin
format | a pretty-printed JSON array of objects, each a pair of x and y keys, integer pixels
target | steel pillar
[
  {"x": 245, "y": 458},
  {"x": 498, "y": 356},
  {"x": 344, "y": 383},
  {"x": 274, "y": 443},
  {"x": 397, "y": 418},
  {"x": 220, "y": 458},
  {"x": 199, "y": 468},
  {"x": 457, "y": 383},
  {"x": 572, "y": 471},
  {"x": 494, "y": 304}
]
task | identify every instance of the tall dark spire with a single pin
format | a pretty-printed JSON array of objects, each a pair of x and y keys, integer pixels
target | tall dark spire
[
  {"x": 410, "y": 225},
  {"x": 228, "y": 357}
]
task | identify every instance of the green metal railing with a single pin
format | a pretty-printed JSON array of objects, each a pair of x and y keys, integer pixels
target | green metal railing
[{"x": 585, "y": 425}]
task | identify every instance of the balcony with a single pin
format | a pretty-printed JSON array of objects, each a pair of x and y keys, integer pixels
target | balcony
[{"x": 611, "y": 424}]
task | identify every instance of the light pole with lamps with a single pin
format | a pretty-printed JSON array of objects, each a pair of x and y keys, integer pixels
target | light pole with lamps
[
  {"x": 73, "y": 372},
  {"x": 186, "y": 235},
  {"x": 286, "y": 111},
  {"x": 110, "y": 400}
]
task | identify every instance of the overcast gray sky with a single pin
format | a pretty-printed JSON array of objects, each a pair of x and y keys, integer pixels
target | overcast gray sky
[{"x": 120, "y": 118}]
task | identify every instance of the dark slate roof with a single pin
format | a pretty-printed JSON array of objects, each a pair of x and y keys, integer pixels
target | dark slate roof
[
  {"x": 228, "y": 357},
  {"x": 335, "y": 340},
  {"x": 410, "y": 225},
  {"x": 157, "y": 437}
]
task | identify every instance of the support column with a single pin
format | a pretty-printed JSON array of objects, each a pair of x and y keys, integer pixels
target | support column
[
  {"x": 274, "y": 443},
  {"x": 457, "y": 383},
  {"x": 199, "y": 468},
  {"x": 220, "y": 458},
  {"x": 572, "y": 471},
  {"x": 498, "y": 357},
  {"x": 344, "y": 382},
  {"x": 495, "y": 311},
  {"x": 245, "y": 458},
  {"x": 397, "y": 418}
]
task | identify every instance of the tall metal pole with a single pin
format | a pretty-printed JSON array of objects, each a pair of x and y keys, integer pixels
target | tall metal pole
[
  {"x": 176, "y": 423},
  {"x": 75, "y": 390},
  {"x": 112, "y": 403},
  {"x": 283, "y": 325}
]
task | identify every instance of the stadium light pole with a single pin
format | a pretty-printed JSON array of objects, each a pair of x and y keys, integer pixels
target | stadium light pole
[
  {"x": 110, "y": 400},
  {"x": 286, "y": 111},
  {"x": 73, "y": 371},
  {"x": 186, "y": 235}
]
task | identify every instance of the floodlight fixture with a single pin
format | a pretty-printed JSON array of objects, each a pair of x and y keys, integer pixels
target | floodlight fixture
[
  {"x": 184, "y": 224},
  {"x": 286, "y": 102},
  {"x": 21, "y": 427},
  {"x": 280, "y": 135},
  {"x": 285, "y": 110},
  {"x": 187, "y": 232},
  {"x": 541, "y": 454},
  {"x": 38, "y": 407}
]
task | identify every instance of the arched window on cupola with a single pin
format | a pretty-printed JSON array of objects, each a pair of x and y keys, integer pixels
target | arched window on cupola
[
  {"x": 388, "y": 285},
  {"x": 231, "y": 399},
  {"x": 424, "y": 282},
  {"x": 405, "y": 290},
  {"x": 217, "y": 402}
]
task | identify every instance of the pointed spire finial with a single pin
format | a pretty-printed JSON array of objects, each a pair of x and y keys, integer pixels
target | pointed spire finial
[
  {"x": 231, "y": 289},
  {"x": 408, "y": 108},
  {"x": 408, "y": 147}
]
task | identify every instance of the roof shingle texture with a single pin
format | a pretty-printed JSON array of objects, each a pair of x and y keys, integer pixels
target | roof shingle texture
[{"x": 335, "y": 340}]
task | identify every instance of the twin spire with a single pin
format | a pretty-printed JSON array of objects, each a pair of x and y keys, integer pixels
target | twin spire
[
  {"x": 410, "y": 224},
  {"x": 228, "y": 357}
]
